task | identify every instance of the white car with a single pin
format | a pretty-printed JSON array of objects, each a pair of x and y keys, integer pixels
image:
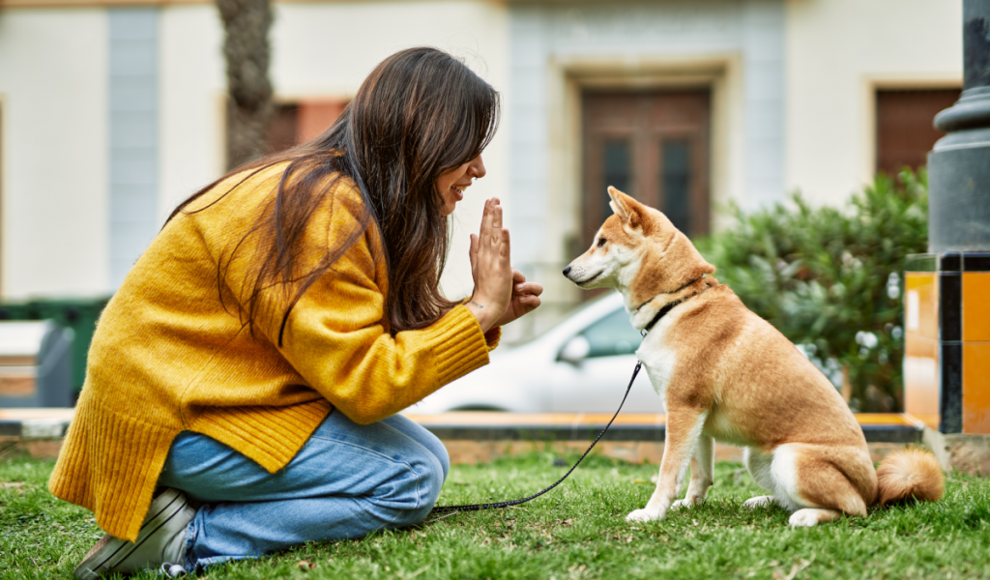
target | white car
[{"x": 582, "y": 364}]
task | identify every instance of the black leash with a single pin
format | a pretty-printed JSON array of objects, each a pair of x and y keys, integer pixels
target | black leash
[{"x": 454, "y": 509}]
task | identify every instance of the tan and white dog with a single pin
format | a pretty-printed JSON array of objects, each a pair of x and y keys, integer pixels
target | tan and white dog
[{"x": 725, "y": 373}]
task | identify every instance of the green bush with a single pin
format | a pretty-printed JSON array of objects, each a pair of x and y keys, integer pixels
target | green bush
[{"x": 831, "y": 279}]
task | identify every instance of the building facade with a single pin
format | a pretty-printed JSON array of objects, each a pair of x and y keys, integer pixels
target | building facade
[{"x": 113, "y": 112}]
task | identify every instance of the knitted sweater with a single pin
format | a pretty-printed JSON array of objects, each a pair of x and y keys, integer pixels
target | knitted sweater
[{"x": 169, "y": 355}]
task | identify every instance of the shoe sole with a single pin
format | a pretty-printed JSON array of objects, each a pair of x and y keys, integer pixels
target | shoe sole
[{"x": 115, "y": 551}]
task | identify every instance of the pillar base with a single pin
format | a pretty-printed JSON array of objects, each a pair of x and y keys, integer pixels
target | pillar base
[{"x": 969, "y": 454}]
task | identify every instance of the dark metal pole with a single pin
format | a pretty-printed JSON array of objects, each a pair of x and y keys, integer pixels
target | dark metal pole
[{"x": 959, "y": 164}]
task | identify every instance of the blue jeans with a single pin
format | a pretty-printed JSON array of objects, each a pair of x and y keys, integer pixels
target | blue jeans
[{"x": 346, "y": 481}]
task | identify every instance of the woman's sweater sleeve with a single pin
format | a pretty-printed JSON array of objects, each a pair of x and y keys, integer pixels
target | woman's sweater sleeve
[{"x": 335, "y": 339}]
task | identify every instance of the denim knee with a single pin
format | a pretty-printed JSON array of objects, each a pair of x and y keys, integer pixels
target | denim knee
[
  {"x": 424, "y": 483},
  {"x": 444, "y": 460}
]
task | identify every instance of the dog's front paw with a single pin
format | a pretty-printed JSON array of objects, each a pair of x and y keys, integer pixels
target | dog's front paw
[
  {"x": 809, "y": 517},
  {"x": 685, "y": 503},
  {"x": 762, "y": 501},
  {"x": 642, "y": 516},
  {"x": 804, "y": 519}
]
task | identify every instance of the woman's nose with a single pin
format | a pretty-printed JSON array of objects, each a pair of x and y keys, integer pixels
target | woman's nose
[{"x": 477, "y": 167}]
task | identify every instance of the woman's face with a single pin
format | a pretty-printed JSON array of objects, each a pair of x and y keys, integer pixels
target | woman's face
[{"x": 452, "y": 184}]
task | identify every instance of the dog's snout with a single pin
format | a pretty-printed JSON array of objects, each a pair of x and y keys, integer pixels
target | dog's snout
[{"x": 567, "y": 270}]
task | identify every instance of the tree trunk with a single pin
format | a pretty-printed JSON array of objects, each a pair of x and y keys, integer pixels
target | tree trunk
[{"x": 249, "y": 103}]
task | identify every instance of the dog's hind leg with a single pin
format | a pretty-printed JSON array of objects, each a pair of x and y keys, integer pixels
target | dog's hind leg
[
  {"x": 684, "y": 426},
  {"x": 820, "y": 483},
  {"x": 812, "y": 481},
  {"x": 758, "y": 464},
  {"x": 702, "y": 473}
]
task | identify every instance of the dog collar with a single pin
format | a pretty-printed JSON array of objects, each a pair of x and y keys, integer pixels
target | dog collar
[
  {"x": 663, "y": 312},
  {"x": 666, "y": 307},
  {"x": 671, "y": 292}
]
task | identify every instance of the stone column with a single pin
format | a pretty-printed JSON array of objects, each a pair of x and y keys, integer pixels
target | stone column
[{"x": 959, "y": 165}]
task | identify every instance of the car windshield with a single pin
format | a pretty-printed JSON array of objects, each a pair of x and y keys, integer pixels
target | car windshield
[
  {"x": 621, "y": 321},
  {"x": 612, "y": 335}
]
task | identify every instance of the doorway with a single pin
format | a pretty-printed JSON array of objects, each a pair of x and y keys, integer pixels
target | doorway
[{"x": 652, "y": 145}]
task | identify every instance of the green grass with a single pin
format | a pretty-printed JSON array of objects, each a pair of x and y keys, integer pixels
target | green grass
[{"x": 576, "y": 531}]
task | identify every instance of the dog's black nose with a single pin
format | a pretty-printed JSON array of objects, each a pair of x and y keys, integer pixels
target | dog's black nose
[{"x": 567, "y": 270}]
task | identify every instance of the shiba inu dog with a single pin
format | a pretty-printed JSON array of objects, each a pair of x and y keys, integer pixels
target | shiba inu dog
[{"x": 725, "y": 373}]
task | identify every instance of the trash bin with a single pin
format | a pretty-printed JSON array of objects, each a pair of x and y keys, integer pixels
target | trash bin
[
  {"x": 78, "y": 314},
  {"x": 17, "y": 311},
  {"x": 35, "y": 364}
]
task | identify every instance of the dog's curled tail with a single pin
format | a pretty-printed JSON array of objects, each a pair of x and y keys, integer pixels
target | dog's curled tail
[{"x": 909, "y": 473}]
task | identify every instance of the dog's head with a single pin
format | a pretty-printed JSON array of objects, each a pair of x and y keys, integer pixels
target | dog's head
[{"x": 639, "y": 252}]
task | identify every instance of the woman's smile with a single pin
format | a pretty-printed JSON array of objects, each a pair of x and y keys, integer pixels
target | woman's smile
[{"x": 453, "y": 183}]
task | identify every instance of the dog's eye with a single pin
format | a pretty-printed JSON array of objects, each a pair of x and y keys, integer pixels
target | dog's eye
[{"x": 601, "y": 242}]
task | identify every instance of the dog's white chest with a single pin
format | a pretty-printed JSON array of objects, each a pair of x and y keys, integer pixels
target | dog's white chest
[{"x": 658, "y": 360}]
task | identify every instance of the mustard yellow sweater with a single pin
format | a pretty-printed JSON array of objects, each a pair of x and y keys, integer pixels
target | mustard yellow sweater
[{"x": 168, "y": 356}]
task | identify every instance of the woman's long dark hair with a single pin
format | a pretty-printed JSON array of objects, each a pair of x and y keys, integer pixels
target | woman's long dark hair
[{"x": 420, "y": 113}]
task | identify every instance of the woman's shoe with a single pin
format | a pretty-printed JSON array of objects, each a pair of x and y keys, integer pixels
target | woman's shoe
[{"x": 161, "y": 541}]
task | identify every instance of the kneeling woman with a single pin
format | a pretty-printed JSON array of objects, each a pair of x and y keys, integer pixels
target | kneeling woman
[{"x": 244, "y": 381}]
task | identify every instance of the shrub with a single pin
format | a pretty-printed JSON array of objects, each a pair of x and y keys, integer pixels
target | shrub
[{"x": 832, "y": 279}]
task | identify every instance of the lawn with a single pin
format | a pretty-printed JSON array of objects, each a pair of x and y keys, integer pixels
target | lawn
[{"x": 575, "y": 531}]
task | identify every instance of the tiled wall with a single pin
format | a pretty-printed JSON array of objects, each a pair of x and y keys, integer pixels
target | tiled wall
[
  {"x": 921, "y": 352},
  {"x": 976, "y": 350},
  {"x": 947, "y": 322}
]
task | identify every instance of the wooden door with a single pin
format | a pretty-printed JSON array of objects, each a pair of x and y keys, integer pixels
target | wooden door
[
  {"x": 652, "y": 145},
  {"x": 301, "y": 121},
  {"x": 905, "y": 133}
]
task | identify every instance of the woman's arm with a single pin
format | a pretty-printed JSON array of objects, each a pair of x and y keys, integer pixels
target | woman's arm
[
  {"x": 336, "y": 341},
  {"x": 336, "y": 336}
]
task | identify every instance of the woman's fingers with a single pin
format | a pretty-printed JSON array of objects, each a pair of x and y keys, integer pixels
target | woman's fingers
[
  {"x": 528, "y": 289},
  {"x": 496, "y": 215},
  {"x": 530, "y": 302},
  {"x": 496, "y": 233},
  {"x": 486, "y": 218},
  {"x": 473, "y": 252}
]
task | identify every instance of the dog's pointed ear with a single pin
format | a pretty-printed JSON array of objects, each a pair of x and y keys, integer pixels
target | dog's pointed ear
[
  {"x": 627, "y": 208},
  {"x": 616, "y": 203}
]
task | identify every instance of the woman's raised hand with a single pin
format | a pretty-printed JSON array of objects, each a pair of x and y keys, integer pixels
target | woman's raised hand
[
  {"x": 490, "y": 268},
  {"x": 525, "y": 298},
  {"x": 501, "y": 293}
]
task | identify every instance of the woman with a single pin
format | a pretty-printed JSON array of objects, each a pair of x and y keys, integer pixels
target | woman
[{"x": 251, "y": 365}]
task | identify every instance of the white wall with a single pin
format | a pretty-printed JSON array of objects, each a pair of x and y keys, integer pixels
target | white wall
[
  {"x": 192, "y": 85},
  {"x": 53, "y": 86},
  {"x": 55, "y": 229},
  {"x": 838, "y": 52}
]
